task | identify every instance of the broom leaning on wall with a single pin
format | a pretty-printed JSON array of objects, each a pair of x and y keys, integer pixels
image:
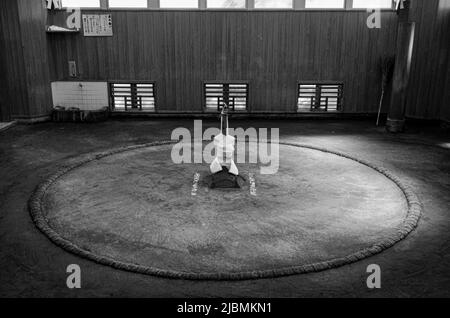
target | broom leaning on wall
[{"x": 387, "y": 69}]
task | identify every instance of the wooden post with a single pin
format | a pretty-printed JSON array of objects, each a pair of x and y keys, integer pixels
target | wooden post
[{"x": 405, "y": 47}]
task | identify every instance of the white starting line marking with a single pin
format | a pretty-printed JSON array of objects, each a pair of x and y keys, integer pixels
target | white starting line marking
[
  {"x": 195, "y": 184},
  {"x": 251, "y": 178}
]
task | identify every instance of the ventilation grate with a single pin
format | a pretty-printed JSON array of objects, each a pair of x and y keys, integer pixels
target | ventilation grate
[
  {"x": 320, "y": 97},
  {"x": 235, "y": 94},
  {"x": 132, "y": 96}
]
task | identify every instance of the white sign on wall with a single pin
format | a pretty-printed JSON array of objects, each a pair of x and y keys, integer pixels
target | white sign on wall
[{"x": 97, "y": 25}]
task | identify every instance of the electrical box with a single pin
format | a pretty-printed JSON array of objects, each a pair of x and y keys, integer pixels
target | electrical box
[{"x": 73, "y": 69}]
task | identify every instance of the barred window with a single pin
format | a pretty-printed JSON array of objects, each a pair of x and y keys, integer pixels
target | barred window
[
  {"x": 236, "y": 95},
  {"x": 320, "y": 97},
  {"x": 132, "y": 97}
]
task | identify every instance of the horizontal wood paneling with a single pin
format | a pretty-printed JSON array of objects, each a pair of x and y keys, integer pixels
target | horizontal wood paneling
[{"x": 271, "y": 50}]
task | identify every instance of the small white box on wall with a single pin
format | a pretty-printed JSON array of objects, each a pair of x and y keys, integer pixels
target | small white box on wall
[{"x": 82, "y": 95}]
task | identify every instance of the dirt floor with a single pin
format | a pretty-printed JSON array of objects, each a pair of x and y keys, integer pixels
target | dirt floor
[{"x": 32, "y": 266}]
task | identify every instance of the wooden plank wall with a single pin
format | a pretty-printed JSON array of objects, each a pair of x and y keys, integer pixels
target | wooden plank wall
[
  {"x": 25, "y": 65},
  {"x": 272, "y": 50},
  {"x": 14, "y": 97},
  {"x": 32, "y": 17},
  {"x": 429, "y": 87}
]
